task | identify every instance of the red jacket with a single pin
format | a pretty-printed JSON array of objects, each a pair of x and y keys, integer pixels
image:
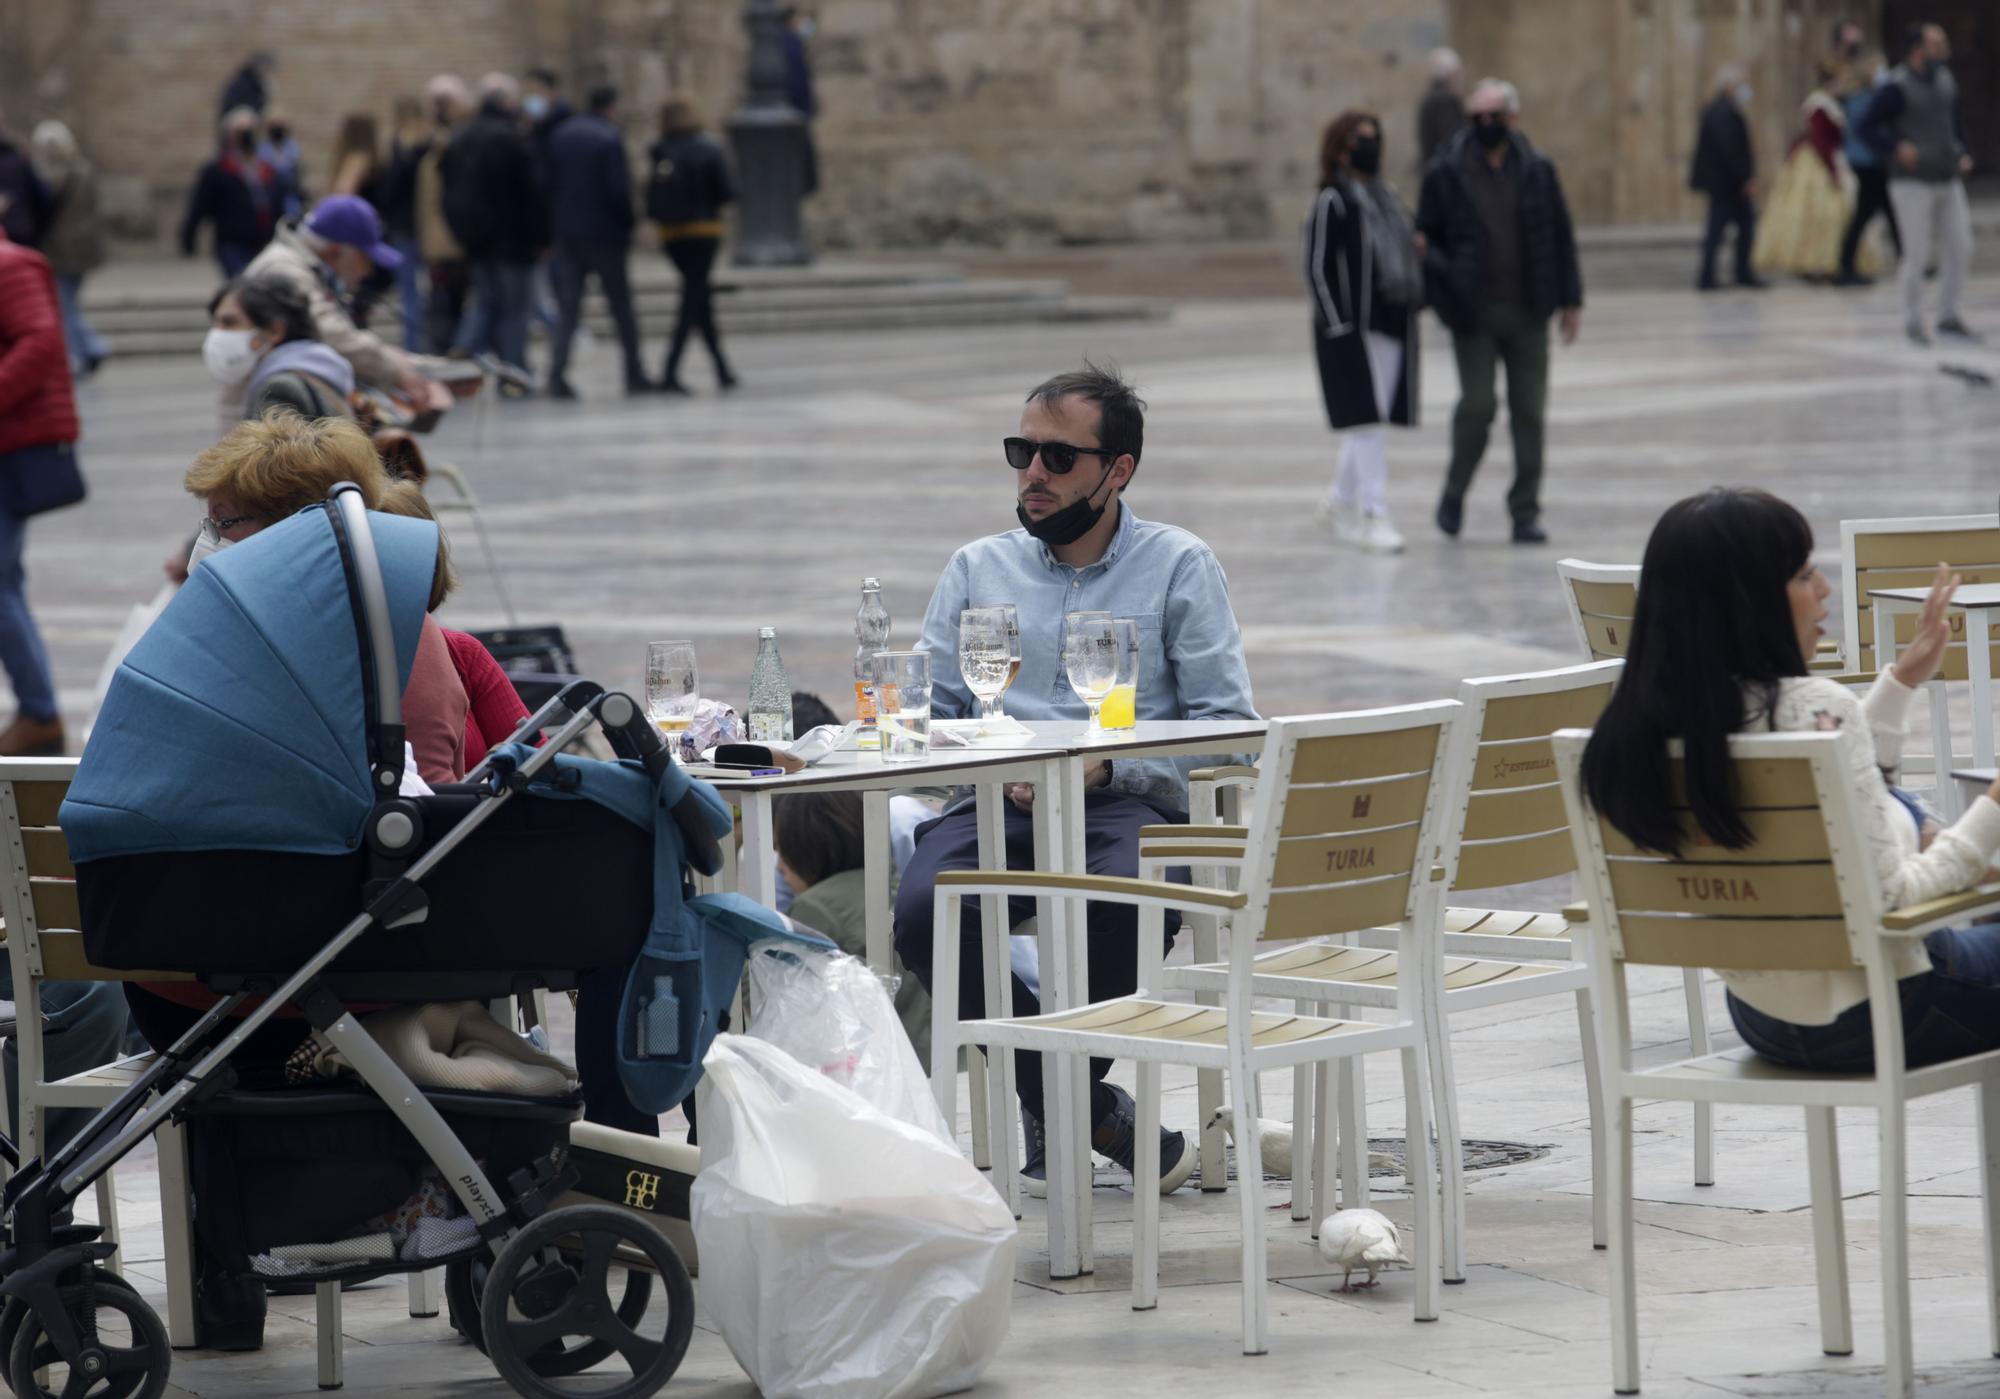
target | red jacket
[
  {"x": 494, "y": 707},
  {"x": 36, "y": 405}
]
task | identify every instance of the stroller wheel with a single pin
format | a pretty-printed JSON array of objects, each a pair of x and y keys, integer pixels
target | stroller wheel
[
  {"x": 465, "y": 1285},
  {"x": 551, "y": 1284},
  {"x": 16, "y": 1312},
  {"x": 125, "y": 1353}
]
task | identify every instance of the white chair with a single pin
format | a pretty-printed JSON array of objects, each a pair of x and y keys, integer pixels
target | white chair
[
  {"x": 1502, "y": 824},
  {"x": 1804, "y": 896},
  {"x": 1603, "y": 598},
  {"x": 1340, "y": 837}
]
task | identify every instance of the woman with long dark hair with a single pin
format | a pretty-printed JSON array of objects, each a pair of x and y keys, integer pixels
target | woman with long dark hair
[
  {"x": 1730, "y": 607},
  {"x": 1364, "y": 270},
  {"x": 685, "y": 196}
]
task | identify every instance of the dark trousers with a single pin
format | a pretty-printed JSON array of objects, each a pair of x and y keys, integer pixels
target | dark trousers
[
  {"x": 1111, "y": 846},
  {"x": 1724, "y": 210},
  {"x": 232, "y": 258},
  {"x": 497, "y": 318},
  {"x": 570, "y": 265},
  {"x": 444, "y": 306},
  {"x": 694, "y": 259},
  {"x": 604, "y": 1100},
  {"x": 1871, "y": 197},
  {"x": 1948, "y": 1012},
  {"x": 1519, "y": 338}
]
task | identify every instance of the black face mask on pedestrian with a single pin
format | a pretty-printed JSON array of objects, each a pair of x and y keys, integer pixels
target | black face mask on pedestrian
[
  {"x": 1070, "y": 523},
  {"x": 1490, "y": 129},
  {"x": 1365, "y": 155}
]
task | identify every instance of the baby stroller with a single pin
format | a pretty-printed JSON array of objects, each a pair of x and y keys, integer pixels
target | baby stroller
[{"x": 237, "y": 816}]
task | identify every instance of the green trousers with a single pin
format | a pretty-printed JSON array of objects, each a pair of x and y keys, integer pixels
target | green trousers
[{"x": 1517, "y": 337}]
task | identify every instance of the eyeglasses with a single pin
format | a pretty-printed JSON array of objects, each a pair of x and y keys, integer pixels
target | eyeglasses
[
  {"x": 1058, "y": 457},
  {"x": 213, "y": 529}
]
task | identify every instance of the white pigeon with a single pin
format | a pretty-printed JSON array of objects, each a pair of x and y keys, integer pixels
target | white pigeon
[
  {"x": 1275, "y": 1143},
  {"x": 1360, "y": 1239}
]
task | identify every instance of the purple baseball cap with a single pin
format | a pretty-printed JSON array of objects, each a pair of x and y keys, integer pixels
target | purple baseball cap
[{"x": 350, "y": 219}]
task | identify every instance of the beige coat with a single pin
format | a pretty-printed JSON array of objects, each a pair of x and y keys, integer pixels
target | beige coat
[{"x": 376, "y": 363}]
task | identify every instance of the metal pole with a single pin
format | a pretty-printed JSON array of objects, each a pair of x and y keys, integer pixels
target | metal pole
[{"x": 773, "y": 145}]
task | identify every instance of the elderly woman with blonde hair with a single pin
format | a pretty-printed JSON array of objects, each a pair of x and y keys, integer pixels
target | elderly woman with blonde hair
[{"x": 272, "y": 467}]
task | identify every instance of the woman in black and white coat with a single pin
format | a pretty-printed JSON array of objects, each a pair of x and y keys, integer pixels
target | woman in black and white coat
[{"x": 1364, "y": 269}]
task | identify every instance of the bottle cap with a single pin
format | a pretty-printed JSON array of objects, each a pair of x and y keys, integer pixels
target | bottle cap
[
  {"x": 871, "y": 585},
  {"x": 767, "y": 633}
]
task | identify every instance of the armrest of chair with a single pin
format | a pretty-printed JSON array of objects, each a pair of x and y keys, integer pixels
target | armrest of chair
[
  {"x": 1100, "y": 888},
  {"x": 1578, "y": 912},
  {"x": 1194, "y": 833},
  {"x": 1859, "y": 677},
  {"x": 1228, "y": 775},
  {"x": 1918, "y": 919}
]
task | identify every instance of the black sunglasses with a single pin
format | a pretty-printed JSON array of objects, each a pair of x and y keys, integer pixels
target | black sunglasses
[{"x": 1058, "y": 457}]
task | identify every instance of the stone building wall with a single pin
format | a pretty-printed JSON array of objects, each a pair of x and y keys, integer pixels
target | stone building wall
[{"x": 963, "y": 122}]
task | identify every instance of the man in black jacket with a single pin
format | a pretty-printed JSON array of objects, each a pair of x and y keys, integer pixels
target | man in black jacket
[
  {"x": 1725, "y": 169},
  {"x": 1500, "y": 259},
  {"x": 590, "y": 205},
  {"x": 494, "y": 202}
]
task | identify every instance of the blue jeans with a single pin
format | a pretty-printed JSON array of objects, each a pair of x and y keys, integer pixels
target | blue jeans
[
  {"x": 85, "y": 1027},
  {"x": 496, "y": 318},
  {"x": 232, "y": 258},
  {"x": 1950, "y": 1011},
  {"x": 410, "y": 292},
  {"x": 85, "y": 346},
  {"x": 22, "y": 653}
]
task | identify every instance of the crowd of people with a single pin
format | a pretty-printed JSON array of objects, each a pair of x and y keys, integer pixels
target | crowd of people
[{"x": 497, "y": 206}]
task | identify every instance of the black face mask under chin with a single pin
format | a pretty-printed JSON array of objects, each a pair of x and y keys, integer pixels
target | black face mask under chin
[{"x": 1068, "y": 524}]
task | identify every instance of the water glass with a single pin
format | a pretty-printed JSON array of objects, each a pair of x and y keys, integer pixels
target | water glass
[
  {"x": 673, "y": 688},
  {"x": 1013, "y": 621},
  {"x": 903, "y": 705},
  {"x": 984, "y": 659}
]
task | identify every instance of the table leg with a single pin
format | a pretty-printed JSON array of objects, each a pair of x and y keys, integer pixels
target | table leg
[
  {"x": 1885, "y": 633},
  {"x": 1979, "y": 668},
  {"x": 1061, "y": 1109},
  {"x": 1077, "y": 971},
  {"x": 991, "y": 811},
  {"x": 757, "y": 861},
  {"x": 879, "y": 943}
]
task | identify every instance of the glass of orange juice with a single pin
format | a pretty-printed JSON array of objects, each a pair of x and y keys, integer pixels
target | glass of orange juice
[{"x": 1119, "y": 709}]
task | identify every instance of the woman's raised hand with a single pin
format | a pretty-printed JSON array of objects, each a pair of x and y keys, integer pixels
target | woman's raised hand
[{"x": 1918, "y": 661}]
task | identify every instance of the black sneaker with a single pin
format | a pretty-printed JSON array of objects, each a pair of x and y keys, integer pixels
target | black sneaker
[
  {"x": 1528, "y": 532},
  {"x": 560, "y": 389},
  {"x": 1914, "y": 333},
  {"x": 1035, "y": 1171},
  {"x": 1114, "y": 1136},
  {"x": 1959, "y": 330},
  {"x": 1450, "y": 514}
]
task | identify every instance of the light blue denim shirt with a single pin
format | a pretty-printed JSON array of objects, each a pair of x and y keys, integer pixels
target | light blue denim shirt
[{"x": 1169, "y": 582}]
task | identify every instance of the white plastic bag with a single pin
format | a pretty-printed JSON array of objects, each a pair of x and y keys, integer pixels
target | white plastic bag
[
  {"x": 844, "y": 1254},
  {"x": 829, "y": 1012}
]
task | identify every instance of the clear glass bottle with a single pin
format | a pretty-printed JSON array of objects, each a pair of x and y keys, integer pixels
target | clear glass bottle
[
  {"x": 770, "y": 692},
  {"x": 871, "y": 632}
]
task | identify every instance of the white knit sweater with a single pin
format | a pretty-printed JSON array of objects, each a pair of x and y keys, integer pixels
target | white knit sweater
[{"x": 1956, "y": 859}]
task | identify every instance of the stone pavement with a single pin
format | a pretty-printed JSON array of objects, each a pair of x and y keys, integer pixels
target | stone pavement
[{"x": 628, "y": 521}]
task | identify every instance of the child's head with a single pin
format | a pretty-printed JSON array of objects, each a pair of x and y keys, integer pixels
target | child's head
[
  {"x": 809, "y": 711},
  {"x": 818, "y": 835}
]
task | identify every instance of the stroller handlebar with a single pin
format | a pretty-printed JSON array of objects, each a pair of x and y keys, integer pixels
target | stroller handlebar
[{"x": 378, "y": 641}]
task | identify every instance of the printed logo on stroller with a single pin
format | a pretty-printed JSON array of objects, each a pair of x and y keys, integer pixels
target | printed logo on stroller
[{"x": 642, "y": 1190}]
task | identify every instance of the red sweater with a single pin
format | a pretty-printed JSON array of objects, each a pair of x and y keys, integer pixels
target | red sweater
[
  {"x": 494, "y": 707},
  {"x": 36, "y": 405}
]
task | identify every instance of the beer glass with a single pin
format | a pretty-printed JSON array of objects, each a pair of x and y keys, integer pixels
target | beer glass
[{"x": 903, "y": 705}]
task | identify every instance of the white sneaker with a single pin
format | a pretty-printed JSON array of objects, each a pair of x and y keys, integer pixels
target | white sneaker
[
  {"x": 1346, "y": 522},
  {"x": 1379, "y": 535}
]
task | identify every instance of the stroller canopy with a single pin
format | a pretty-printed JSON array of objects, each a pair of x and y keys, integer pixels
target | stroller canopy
[{"x": 240, "y": 720}]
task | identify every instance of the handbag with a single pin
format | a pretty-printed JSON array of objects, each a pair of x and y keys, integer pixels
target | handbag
[{"x": 35, "y": 480}]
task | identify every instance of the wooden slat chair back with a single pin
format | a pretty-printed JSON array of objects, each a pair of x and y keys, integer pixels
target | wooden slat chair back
[
  {"x": 1602, "y": 599},
  {"x": 1804, "y": 896},
  {"x": 1905, "y": 554}
]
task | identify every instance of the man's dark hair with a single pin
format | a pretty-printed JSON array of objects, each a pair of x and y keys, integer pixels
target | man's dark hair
[
  {"x": 809, "y": 711},
  {"x": 545, "y": 76},
  {"x": 818, "y": 833},
  {"x": 1121, "y": 413},
  {"x": 271, "y": 301},
  {"x": 1913, "y": 35},
  {"x": 603, "y": 98}
]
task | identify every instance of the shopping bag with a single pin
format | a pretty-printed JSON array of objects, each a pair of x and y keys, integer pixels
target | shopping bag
[
  {"x": 845, "y": 1254},
  {"x": 830, "y": 1012}
]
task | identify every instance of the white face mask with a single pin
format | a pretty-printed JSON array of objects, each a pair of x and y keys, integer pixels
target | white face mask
[
  {"x": 229, "y": 354},
  {"x": 205, "y": 543}
]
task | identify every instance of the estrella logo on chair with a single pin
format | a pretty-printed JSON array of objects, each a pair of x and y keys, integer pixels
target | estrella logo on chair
[{"x": 642, "y": 1190}]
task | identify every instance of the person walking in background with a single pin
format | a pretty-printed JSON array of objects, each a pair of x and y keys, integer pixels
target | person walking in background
[
  {"x": 24, "y": 197},
  {"x": 246, "y": 87},
  {"x": 1915, "y": 123},
  {"x": 1811, "y": 204},
  {"x": 38, "y": 432},
  {"x": 1725, "y": 169},
  {"x": 590, "y": 206},
  {"x": 797, "y": 33},
  {"x": 685, "y": 195},
  {"x": 447, "y": 103},
  {"x": 280, "y": 150},
  {"x": 494, "y": 201},
  {"x": 1366, "y": 277},
  {"x": 1442, "y": 112},
  {"x": 398, "y": 207},
  {"x": 237, "y": 192},
  {"x": 542, "y": 104},
  {"x": 74, "y": 242},
  {"x": 1500, "y": 260},
  {"x": 357, "y": 159},
  {"x": 1871, "y": 178}
]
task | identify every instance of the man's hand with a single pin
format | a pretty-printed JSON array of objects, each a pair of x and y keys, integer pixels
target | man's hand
[
  {"x": 1965, "y": 165},
  {"x": 1423, "y": 245},
  {"x": 1906, "y": 154},
  {"x": 1569, "y": 320},
  {"x": 1022, "y": 794}
]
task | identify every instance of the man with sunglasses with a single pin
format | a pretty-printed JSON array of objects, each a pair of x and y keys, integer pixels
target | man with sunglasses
[{"x": 1079, "y": 549}]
